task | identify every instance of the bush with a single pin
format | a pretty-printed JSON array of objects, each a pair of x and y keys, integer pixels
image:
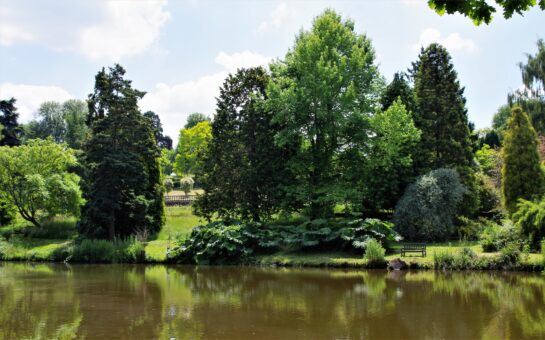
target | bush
[
  {"x": 169, "y": 185},
  {"x": 186, "y": 184},
  {"x": 56, "y": 228},
  {"x": 495, "y": 237},
  {"x": 543, "y": 251},
  {"x": 103, "y": 251},
  {"x": 222, "y": 243},
  {"x": 374, "y": 252},
  {"x": 428, "y": 208},
  {"x": 530, "y": 220},
  {"x": 510, "y": 258},
  {"x": 489, "y": 198}
]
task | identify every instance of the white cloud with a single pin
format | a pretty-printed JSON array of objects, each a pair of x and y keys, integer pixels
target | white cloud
[
  {"x": 174, "y": 103},
  {"x": 130, "y": 28},
  {"x": 29, "y": 97},
  {"x": 107, "y": 30},
  {"x": 452, "y": 42},
  {"x": 10, "y": 34},
  {"x": 241, "y": 59},
  {"x": 276, "y": 18}
]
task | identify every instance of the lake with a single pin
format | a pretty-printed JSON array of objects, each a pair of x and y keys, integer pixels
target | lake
[{"x": 47, "y": 301}]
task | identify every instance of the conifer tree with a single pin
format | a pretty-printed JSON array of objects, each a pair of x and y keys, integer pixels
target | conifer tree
[
  {"x": 398, "y": 88},
  {"x": 123, "y": 185},
  {"x": 440, "y": 114},
  {"x": 11, "y": 132},
  {"x": 243, "y": 170},
  {"x": 522, "y": 177}
]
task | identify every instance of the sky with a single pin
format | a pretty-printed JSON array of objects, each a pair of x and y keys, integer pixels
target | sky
[{"x": 180, "y": 51}]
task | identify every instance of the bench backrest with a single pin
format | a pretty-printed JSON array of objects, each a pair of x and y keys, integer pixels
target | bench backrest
[{"x": 414, "y": 246}]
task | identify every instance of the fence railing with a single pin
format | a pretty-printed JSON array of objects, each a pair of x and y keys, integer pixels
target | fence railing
[{"x": 176, "y": 200}]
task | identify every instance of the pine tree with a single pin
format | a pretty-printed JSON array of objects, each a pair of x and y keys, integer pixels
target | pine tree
[
  {"x": 11, "y": 132},
  {"x": 522, "y": 177},
  {"x": 123, "y": 185},
  {"x": 440, "y": 112},
  {"x": 398, "y": 88}
]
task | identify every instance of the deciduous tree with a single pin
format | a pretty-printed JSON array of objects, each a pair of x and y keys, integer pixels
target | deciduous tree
[
  {"x": 191, "y": 148},
  {"x": 35, "y": 178},
  {"x": 323, "y": 93}
]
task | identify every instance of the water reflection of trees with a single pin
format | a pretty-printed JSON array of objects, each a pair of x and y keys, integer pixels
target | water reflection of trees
[{"x": 54, "y": 301}]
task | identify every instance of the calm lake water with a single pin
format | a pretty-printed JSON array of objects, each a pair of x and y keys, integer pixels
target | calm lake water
[{"x": 177, "y": 302}]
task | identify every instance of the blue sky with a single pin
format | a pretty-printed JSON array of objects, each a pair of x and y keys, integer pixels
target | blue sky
[{"x": 179, "y": 51}]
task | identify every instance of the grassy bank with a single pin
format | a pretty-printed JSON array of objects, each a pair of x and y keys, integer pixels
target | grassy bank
[{"x": 56, "y": 243}]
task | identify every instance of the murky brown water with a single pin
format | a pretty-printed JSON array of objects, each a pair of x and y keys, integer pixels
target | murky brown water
[{"x": 43, "y": 301}]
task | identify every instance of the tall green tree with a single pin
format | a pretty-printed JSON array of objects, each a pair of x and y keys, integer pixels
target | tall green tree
[
  {"x": 49, "y": 122},
  {"x": 35, "y": 178},
  {"x": 398, "y": 88},
  {"x": 383, "y": 167},
  {"x": 163, "y": 141},
  {"x": 441, "y": 114},
  {"x": 243, "y": 170},
  {"x": 481, "y": 10},
  {"x": 12, "y": 132},
  {"x": 195, "y": 118},
  {"x": 75, "y": 112},
  {"x": 123, "y": 181},
  {"x": 522, "y": 176},
  {"x": 191, "y": 148},
  {"x": 323, "y": 92}
]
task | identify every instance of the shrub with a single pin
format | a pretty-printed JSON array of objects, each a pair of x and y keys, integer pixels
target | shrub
[
  {"x": 186, "y": 184},
  {"x": 169, "y": 185},
  {"x": 428, "y": 208},
  {"x": 495, "y": 237},
  {"x": 489, "y": 198},
  {"x": 443, "y": 259},
  {"x": 374, "y": 252},
  {"x": 56, "y": 228},
  {"x": 530, "y": 220},
  {"x": 510, "y": 255},
  {"x": 222, "y": 243},
  {"x": 103, "y": 251}
]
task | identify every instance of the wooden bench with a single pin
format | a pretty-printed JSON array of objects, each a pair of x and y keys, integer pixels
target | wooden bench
[{"x": 414, "y": 248}]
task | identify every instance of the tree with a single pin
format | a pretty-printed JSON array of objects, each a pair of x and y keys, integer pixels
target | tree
[
  {"x": 243, "y": 170},
  {"x": 74, "y": 113},
  {"x": 35, "y": 178},
  {"x": 186, "y": 185},
  {"x": 162, "y": 140},
  {"x": 49, "y": 122},
  {"x": 522, "y": 177},
  {"x": 429, "y": 206},
  {"x": 531, "y": 98},
  {"x": 385, "y": 162},
  {"x": 195, "y": 118},
  {"x": 191, "y": 148},
  {"x": 12, "y": 132},
  {"x": 123, "y": 181},
  {"x": 530, "y": 220},
  {"x": 398, "y": 88},
  {"x": 323, "y": 93},
  {"x": 481, "y": 10},
  {"x": 441, "y": 114}
]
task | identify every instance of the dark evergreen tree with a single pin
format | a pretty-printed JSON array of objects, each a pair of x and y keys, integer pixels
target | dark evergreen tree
[
  {"x": 122, "y": 179},
  {"x": 398, "y": 88},
  {"x": 11, "y": 132},
  {"x": 522, "y": 177},
  {"x": 243, "y": 170},
  {"x": 440, "y": 114},
  {"x": 162, "y": 140}
]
